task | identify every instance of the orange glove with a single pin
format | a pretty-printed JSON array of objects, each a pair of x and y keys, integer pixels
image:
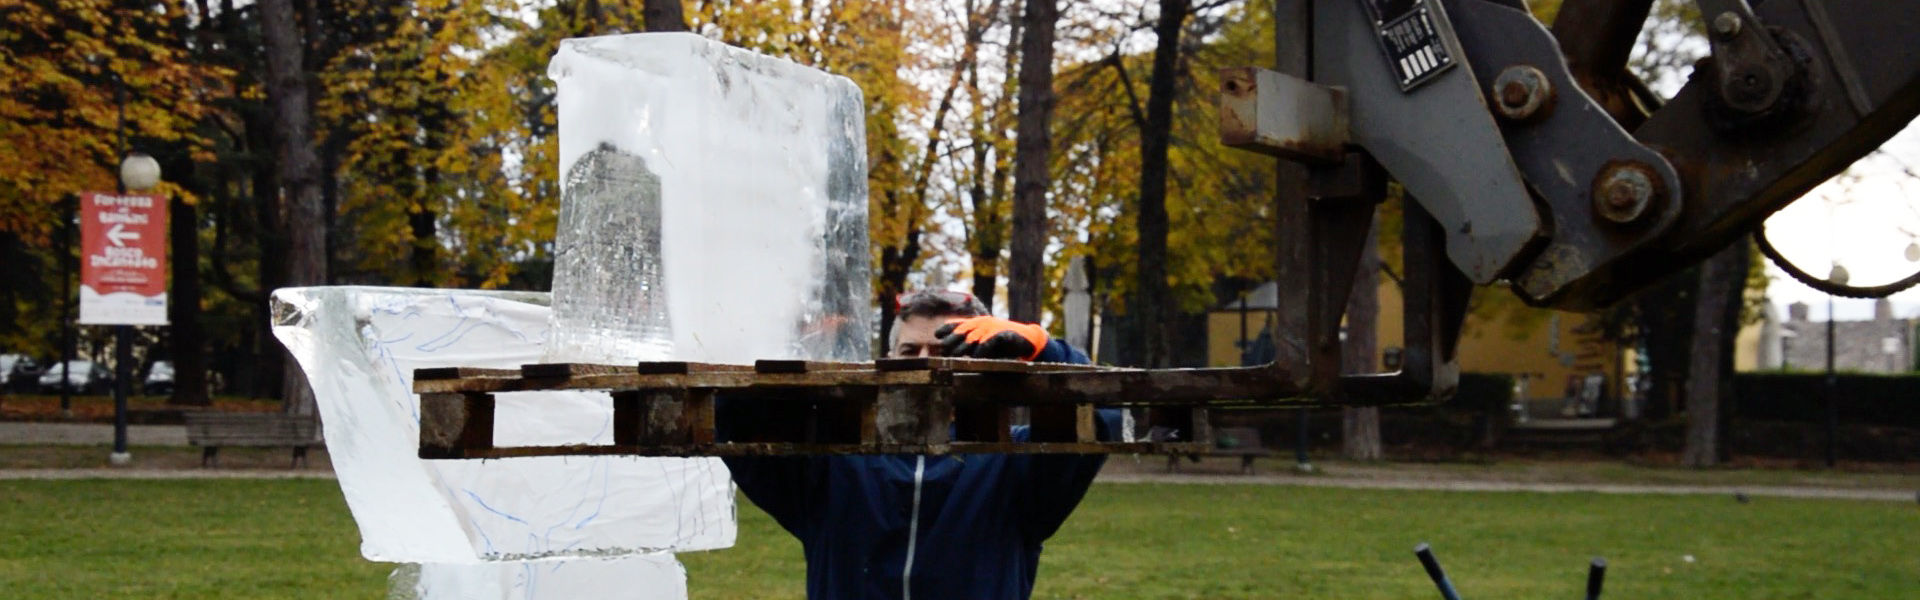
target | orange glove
[{"x": 991, "y": 337}]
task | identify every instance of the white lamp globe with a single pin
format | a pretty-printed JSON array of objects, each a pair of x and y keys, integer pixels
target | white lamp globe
[
  {"x": 139, "y": 172},
  {"x": 1839, "y": 275}
]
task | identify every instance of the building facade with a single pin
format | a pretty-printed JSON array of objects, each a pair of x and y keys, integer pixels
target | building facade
[{"x": 1883, "y": 344}]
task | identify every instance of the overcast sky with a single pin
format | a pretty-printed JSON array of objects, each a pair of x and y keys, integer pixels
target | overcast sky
[{"x": 1865, "y": 220}]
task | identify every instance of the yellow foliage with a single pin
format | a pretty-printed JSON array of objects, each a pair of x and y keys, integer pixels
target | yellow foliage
[{"x": 58, "y": 109}]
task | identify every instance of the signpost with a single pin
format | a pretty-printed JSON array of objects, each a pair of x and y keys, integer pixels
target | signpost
[
  {"x": 123, "y": 261},
  {"x": 123, "y": 275}
]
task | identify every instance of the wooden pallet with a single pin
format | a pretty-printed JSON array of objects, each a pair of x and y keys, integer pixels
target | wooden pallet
[{"x": 791, "y": 407}]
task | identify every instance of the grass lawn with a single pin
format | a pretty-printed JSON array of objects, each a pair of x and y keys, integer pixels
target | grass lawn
[
  {"x": 181, "y": 539},
  {"x": 294, "y": 539}
]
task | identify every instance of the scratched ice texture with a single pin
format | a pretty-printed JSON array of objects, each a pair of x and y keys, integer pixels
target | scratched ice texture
[
  {"x": 714, "y": 205},
  {"x": 526, "y": 527}
]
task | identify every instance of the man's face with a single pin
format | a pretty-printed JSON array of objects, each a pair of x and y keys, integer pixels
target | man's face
[{"x": 916, "y": 337}]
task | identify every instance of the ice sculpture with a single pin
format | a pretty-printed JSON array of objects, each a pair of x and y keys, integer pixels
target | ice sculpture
[
  {"x": 748, "y": 175},
  {"x": 714, "y": 209},
  {"x": 526, "y": 517}
]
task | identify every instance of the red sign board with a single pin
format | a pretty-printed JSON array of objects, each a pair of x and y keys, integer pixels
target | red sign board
[{"x": 123, "y": 261}]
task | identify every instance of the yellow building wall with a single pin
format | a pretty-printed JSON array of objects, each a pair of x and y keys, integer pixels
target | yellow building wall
[
  {"x": 1746, "y": 348},
  {"x": 1546, "y": 359},
  {"x": 1223, "y": 335}
]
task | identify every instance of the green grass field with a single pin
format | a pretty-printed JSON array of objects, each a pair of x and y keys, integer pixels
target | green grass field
[{"x": 294, "y": 539}]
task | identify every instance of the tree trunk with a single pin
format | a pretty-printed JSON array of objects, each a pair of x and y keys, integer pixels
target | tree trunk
[
  {"x": 663, "y": 15},
  {"x": 1360, "y": 426},
  {"x": 1151, "y": 222},
  {"x": 987, "y": 228},
  {"x": 1030, "y": 173},
  {"x": 1716, "y": 319},
  {"x": 990, "y": 200},
  {"x": 188, "y": 339},
  {"x": 299, "y": 169}
]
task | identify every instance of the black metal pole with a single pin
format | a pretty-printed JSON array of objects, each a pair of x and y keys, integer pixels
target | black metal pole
[
  {"x": 122, "y": 386},
  {"x": 1434, "y": 572},
  {"x": 122, "y": 334},
  {"x": 1596, "y": 577},
  {"x": 66, "y": 304},
  {"x": 1300, "y": 442},
  {"x": 1833, "y": 395}
]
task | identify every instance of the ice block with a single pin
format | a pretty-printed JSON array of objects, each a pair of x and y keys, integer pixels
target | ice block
[
  {"x": 714, "y": 205},
  {"x": 359, "y": 348}
]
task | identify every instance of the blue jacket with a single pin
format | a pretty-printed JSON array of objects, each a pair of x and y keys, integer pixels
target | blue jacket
[{"x": 924, "y": 527}]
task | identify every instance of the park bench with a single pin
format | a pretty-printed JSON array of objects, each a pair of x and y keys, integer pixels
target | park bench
[
  {"x": 212, "y": 431},
  {"x": 1243, "y": 442}
]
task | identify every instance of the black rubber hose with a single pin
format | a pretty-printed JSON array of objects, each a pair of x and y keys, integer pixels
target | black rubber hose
[{"x": 1845, "y": 291}]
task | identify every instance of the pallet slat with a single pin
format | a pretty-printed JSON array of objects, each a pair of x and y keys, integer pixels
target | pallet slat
[
  {"x": 918, "y": 405},
  {"x": 693, "y": 380},
  {"x": 569, "y": 370},
  {"x": 805, "y": 366},
  {"x": 789, "y": 449},
  {"x": 438, "y": 373}
]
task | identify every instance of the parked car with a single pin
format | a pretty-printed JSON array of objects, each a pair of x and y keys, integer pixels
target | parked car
[
  {"x": 83, "y": 377},
  {"x": 159, "y": 379},
  {"x": 18, "y": 373}
]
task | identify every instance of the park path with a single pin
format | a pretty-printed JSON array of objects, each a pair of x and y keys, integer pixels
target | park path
[
  {"x": 157, "y": 474},
  {"x": 88, "y": 434},
  {"x": 1468, "y": 485}
]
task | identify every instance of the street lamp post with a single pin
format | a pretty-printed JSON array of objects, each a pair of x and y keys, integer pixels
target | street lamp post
[
  {"x": 1839, "y": 277},
  {"x": 138, "y": 172},
  {"x": 67, "y": 268}
]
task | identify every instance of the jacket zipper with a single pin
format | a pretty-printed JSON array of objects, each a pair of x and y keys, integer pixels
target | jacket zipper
[{"x": 913, "y": 529}]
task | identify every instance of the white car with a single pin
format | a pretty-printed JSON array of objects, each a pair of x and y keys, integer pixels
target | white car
[
  {"x": 83, "y": 377},
  {"x": 159, "y": 379}
]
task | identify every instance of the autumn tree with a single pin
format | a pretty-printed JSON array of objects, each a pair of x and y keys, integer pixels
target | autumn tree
[
  {"x": 1218, "y": 221},
  {"x": 991, "y": 168},
  {"x": 69, "y": 64},
  {"x": 1156, "y": 131}
]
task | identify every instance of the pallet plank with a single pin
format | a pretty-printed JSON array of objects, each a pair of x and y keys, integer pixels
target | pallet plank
[
  {"x": 438, "y": 373},
  {"x": 804, "y": 366},
  {"x": 669, "y": 367},
  {"x": 790, "y": 449},
  {"x": 569, "y": 370},
  {"x": 912, "y": 415},
  {"x": 978, "y": 365},
  {"x": 713, "y": 380}
]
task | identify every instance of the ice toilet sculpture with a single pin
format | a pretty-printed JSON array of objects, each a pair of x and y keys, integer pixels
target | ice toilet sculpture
[{"x": 714, "y": 210}]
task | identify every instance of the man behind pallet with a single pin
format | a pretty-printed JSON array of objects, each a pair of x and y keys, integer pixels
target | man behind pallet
[{"x": 930, "y": 527}]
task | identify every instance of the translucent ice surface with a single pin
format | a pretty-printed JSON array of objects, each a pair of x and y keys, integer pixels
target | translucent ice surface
[
  {"x": 359, "y": 347},
  {"x": 640, "y": 577},
  {"x": 714, "y": 205}
]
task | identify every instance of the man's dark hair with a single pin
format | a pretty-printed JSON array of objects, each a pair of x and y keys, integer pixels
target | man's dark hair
[{"x": 936, "y": 304}]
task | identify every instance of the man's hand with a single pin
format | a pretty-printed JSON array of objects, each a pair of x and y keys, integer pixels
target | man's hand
[{"x": 991, "y": 337}]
